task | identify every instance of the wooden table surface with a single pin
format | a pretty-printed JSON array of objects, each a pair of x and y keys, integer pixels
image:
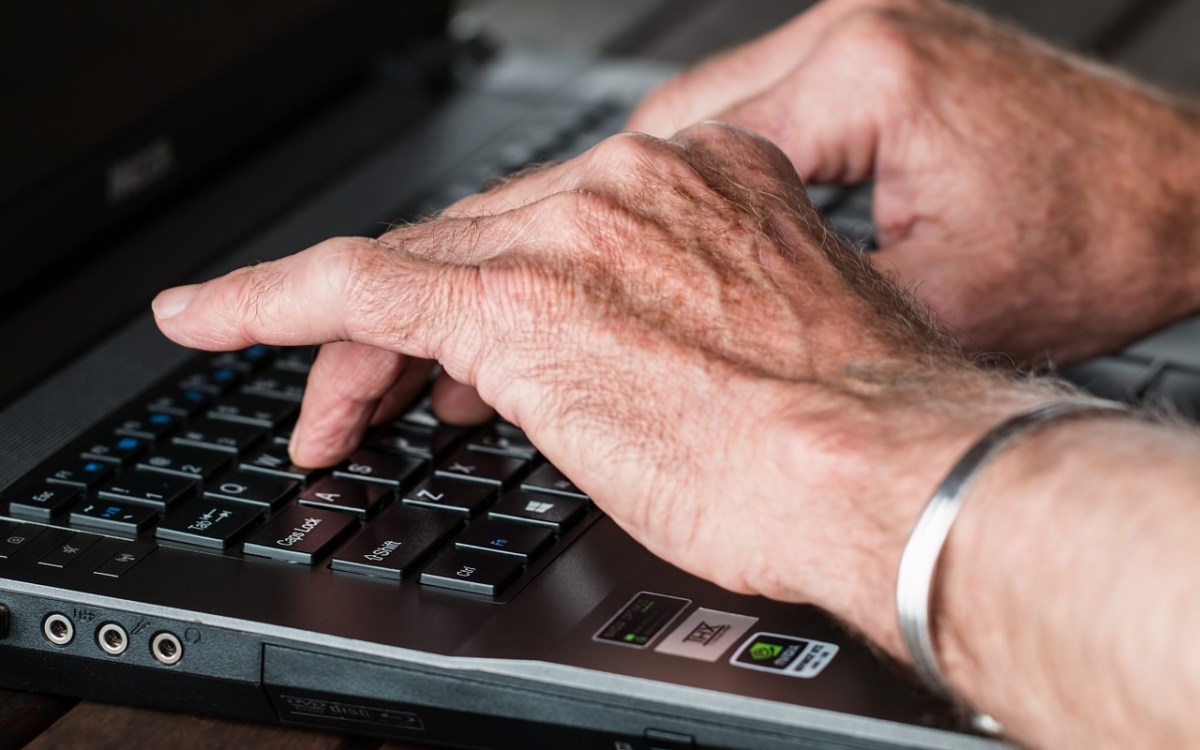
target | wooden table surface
[
  {"x": 43, "y": 722},
  {"x": 1154, "y": 38}
]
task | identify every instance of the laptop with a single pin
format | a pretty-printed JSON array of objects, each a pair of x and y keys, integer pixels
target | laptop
[{"x": 445, "y": 586}]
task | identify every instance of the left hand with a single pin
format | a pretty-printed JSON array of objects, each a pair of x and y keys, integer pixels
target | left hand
[{"x": 672, "y": 325}]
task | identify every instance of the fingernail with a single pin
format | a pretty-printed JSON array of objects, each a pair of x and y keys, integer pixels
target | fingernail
[
  {"x": 294, "y": 443},
  {"x": 171, "y": 302}
]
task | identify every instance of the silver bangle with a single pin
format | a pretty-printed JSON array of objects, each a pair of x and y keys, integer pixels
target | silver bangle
[{"x": 918, "y": 565}]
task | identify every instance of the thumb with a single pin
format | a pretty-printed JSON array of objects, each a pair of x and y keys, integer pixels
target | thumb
[{"x": 831, "y": 133}]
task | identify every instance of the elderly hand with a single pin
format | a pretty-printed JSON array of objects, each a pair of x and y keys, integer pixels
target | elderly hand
[
  {"x": 674, "y": 328},
  {"x": 1039, "y": 203}
]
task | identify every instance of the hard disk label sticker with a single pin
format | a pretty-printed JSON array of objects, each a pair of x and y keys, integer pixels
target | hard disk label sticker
[
  {"x": 783, "y": 654},
  {"x": 641, "y": 620},
  {"x": 319, "y": 708},
  {"x": 706, "y": 634}
]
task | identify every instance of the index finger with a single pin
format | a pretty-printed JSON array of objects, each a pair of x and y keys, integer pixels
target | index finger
[
  {"x": 743, "y": 72},
  {"x": 346, "y": 289}
]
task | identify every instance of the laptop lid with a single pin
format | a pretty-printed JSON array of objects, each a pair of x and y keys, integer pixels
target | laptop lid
[{"x": 102, "y": 141}]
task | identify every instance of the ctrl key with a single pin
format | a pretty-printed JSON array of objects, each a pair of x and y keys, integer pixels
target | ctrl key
[
  {"x": 473, "y": 572},
  {"x": 299, "y": 535}
]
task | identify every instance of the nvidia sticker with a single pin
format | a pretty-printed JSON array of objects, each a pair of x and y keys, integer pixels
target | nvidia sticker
[{"x": 782, "y": 654}]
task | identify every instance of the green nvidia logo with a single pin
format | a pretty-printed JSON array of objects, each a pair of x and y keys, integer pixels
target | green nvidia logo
[{"x": 764, "y": 651}]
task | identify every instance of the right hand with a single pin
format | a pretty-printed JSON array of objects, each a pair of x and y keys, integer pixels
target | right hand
[{"x": 1040, "y": 204}]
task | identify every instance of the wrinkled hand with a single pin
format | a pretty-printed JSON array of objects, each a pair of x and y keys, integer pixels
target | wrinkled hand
[
  {"x": 1040, "y": 204},
  {"x": 672, "y": 326}
]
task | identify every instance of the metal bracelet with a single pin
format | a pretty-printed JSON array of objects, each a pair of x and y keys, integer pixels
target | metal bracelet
[{"x": 918, "y": 565}]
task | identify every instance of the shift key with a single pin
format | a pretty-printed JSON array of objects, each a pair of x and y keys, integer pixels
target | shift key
[
  {"x": 299, "y": 534},
  {"x": 396, "y": 541}
]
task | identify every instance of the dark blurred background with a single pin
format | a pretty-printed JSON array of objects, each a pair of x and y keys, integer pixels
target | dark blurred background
[{"x": 1156, "y": 39}]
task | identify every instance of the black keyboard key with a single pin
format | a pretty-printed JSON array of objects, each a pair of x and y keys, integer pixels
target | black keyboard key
[
  {"x": 246, "y": 360},
  {"x": 383, "y": 468},
  {"x": 211, "y": 380},
  {"x": 296, "y": 359},
  {"x": 502, "y": 439},
  {"x": 252, "y": 487},
  {"x": 124, "y": 560},
  {"x": 1117, "y": 378},
  {"x": 553, "y": 511},
  {"x": 275, "y": 460},
  {"x": 43, "y": 502},
  {"x": 215, "y": 434},
  {"x": 421, "y": 414},
  {"x": 283, "y": 433},
  {"x": 447, "y": 494},
  {"x": 277, "y": 383},
  {"x": 546, "y": 478},
  {"x": 395, "y": 542},
  {"x": 117, "y": 449},
  {"x": 69, "y": 550},
  {"x": 159, "y": 490},
  {"x": 255, "y": 410},
  {"x": 208, "y": 523},
  {"x": 182, "y": 461},
  {"x": 16, "y": 537},
  {"x": 81, "y": 473},
  {"x": 151, "y": 425},
  {"x": 360, "y": 498},
  {"x": 475, "y": 466},
  {"x": 300, "y": 535},
  {"x": 182, "y": 402},
  {"x": 410, "y": 440},
  {"x": 471, "y": 571},
  {"x": 1177, "y": 388},
  {"x": 114, "y": 515},
  {"x": 521, "y": 540}
]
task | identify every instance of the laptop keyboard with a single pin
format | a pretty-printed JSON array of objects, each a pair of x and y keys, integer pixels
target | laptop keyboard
[{"x": 201, "y": 462}]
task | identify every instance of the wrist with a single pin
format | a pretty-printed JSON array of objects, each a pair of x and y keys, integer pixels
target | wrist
[
  {"x": 873, "y": 470},
  {"x": 1062, "y": 559}
]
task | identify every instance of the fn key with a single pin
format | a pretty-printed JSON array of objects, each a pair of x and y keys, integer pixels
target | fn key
[{"x": 473, "y": 572}]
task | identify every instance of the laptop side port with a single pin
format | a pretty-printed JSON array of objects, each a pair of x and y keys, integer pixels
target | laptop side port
[
  {"x": 112, "y": 639},
  {"x": 58, "y": 629},
  {"x": 167, "y": 648}
]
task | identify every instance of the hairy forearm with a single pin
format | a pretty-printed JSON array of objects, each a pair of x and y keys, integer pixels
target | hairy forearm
[{"x": 1070, "y": 588}]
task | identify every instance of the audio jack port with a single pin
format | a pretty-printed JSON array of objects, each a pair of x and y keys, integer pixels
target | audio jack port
[
  {"x": 112, "y": 638},
  {"x": 166, "y": 648},
  {"x": 58, "y": 629}
]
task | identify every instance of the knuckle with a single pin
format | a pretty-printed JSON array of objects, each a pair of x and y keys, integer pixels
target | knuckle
[
  {"x": 626, "y": 153},
  {"x": 594, "y": 226},
  {"x": 348, "y": 266},
  {"x": 356, "y": 275},
  {"x": 722, "y": 135},
  {"x": 888, "y": 33},
  {"x": 886, "y": 47}
]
